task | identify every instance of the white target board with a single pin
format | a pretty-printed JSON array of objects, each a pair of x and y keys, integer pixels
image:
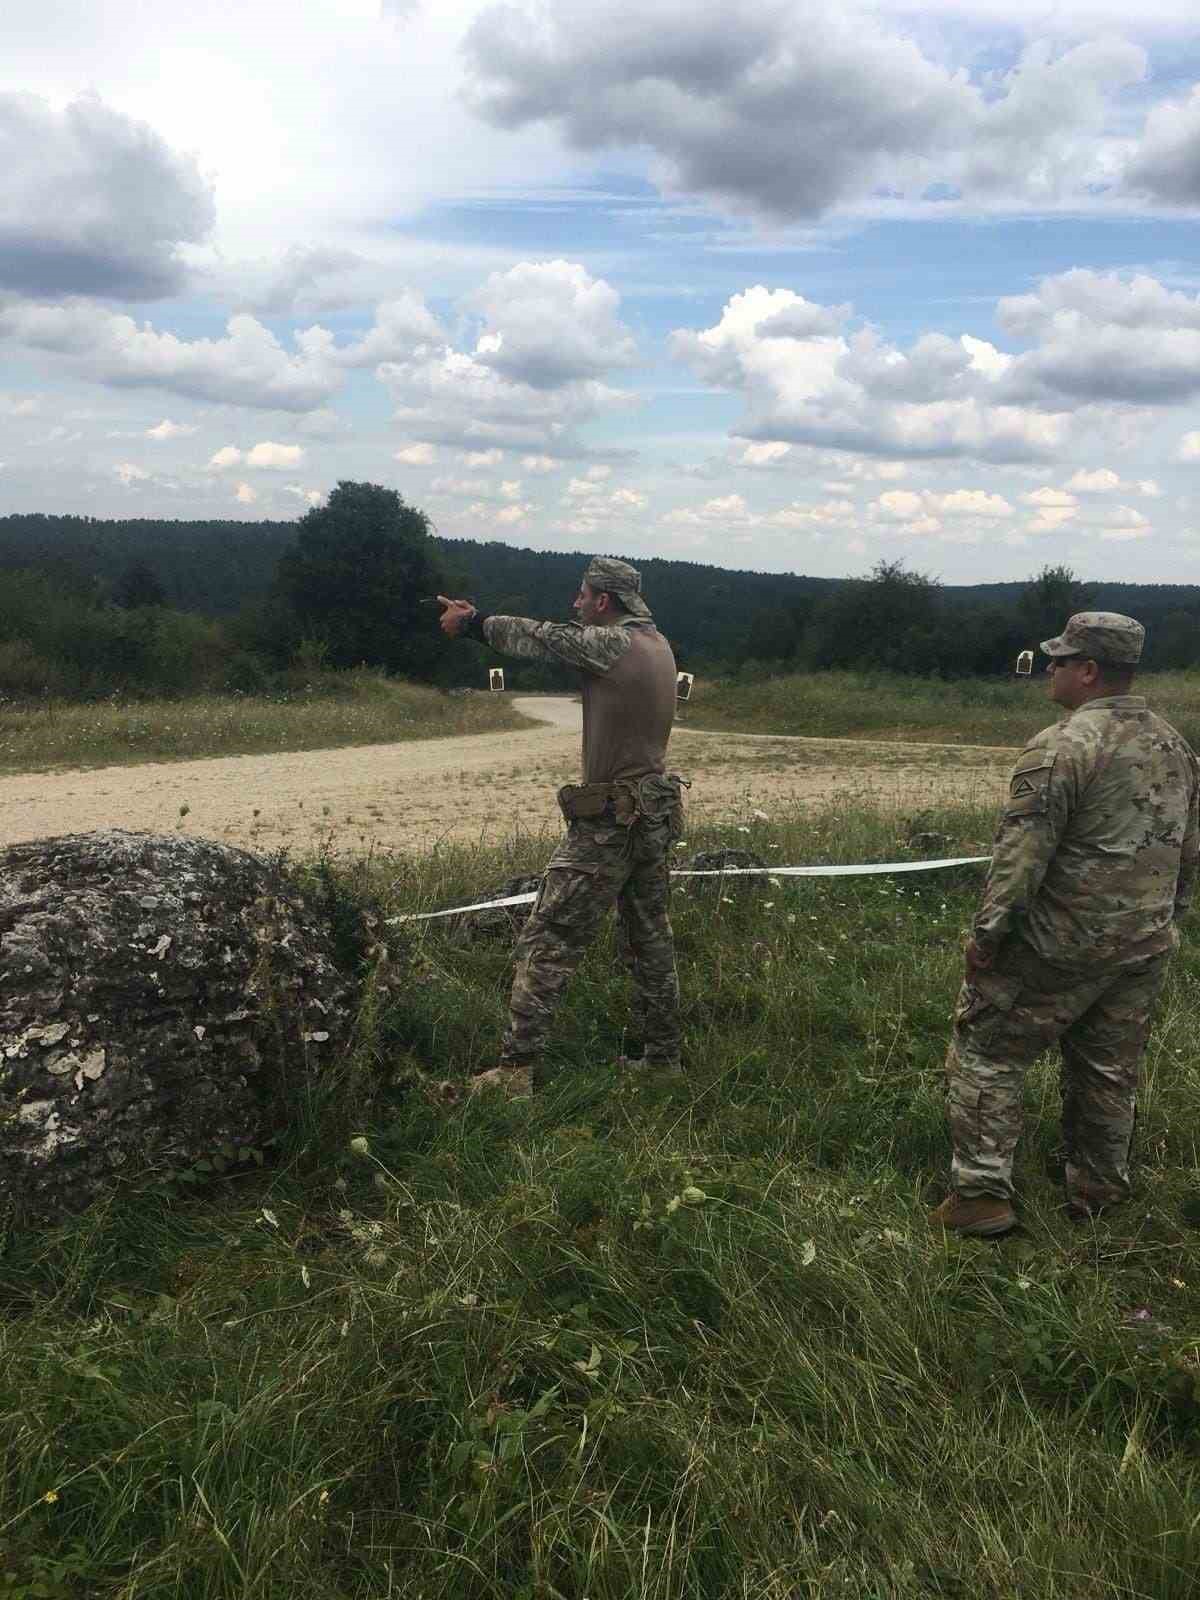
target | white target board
[
  {"x": 683, "y": 685},
  {"x": 1024, "y": 663},
  {"x": 496, "y": 680}
]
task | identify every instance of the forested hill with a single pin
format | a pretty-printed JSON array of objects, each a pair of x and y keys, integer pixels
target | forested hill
[
  {"x": 712, "y": 614},
  {"x": 710, "y": 609},
  {"x": 211, "y": 567}
]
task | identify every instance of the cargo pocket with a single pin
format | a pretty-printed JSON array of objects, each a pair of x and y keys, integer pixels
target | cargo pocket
[
  {"x": 673, "y": 808},
  {"x": 967, "y": 1114},
  {"x": 983, "y": 1003},
  {"x": 567, "y": 887}
]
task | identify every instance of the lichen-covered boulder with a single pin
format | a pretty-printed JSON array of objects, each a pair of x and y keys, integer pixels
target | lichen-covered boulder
[
  {"x": 503, "y": 922},
  {"x": 721, "y": 861},
  {"x": 161, "y": 997}
]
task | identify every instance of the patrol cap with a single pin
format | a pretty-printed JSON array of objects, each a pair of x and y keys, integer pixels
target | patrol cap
[
  {"x": 611, "y": 576},
  {"x": 1104, "y": 636}
]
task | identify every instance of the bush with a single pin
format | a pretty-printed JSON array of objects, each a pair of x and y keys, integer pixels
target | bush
[
  {"x": 23, "y": 673},
  {"x": 246, "y": 674}
]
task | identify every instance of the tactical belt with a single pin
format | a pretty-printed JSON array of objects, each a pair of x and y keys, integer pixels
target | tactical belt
[{"x": 625, "y": 801}]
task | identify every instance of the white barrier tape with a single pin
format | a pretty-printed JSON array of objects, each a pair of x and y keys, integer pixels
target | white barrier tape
[
  {"x": 721, "y": 872},
  {"x": 827, "y": 872}
]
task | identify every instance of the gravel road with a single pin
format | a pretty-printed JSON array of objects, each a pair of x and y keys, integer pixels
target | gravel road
[{"x": 481, "y": 786}]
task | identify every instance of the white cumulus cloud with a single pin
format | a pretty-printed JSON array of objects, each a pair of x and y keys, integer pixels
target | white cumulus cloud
[
  {"x": 799, "y": 109},
  {"x": 549, "y": 323},
  {"x": 1101, "y": 480},
  {"x": 249, "y": 366},
  {"x": 166, "y": 429},
  {"x": 93, "y": 202},
  {"x": 416, "y": 455},
  {"x": 274, "y": 457},
  {"x": 1102, "y": 337},
  {"x": 853, "y": 391}
]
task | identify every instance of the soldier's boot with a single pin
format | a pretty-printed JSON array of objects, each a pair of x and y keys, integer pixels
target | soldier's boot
[
  {"x": 513, "y": 1079},
  {"x": 651, "y": 1066},
  {"x": 1088, "y": 1199},
  {"x": 985, "y": 1217},
  {"x": 1083, "y": 1203}
]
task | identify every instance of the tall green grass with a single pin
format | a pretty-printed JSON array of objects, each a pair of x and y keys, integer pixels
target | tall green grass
[
  {"x": 360, "y": 707},
  {"x": 692, "y": 1341},
  {"x": 886, "y": 706}
]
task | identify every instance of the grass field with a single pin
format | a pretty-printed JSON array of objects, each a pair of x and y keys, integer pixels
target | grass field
[
  {"x": 693, "y": 1342},
  {"x": 883, "y": 706},
  {"x": 354, "y": 708}
]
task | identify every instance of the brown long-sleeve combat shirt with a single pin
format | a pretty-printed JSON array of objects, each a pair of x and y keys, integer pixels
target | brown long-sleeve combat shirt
[
  {"x": 628, "y": 687},
  {"x": 1096, "y": 855}
]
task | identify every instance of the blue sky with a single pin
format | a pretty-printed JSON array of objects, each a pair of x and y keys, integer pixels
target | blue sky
[{"x": 798, "y": 291}]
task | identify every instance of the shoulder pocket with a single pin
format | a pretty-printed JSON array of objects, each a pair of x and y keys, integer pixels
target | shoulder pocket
[{"x": 1029, "y": 786}]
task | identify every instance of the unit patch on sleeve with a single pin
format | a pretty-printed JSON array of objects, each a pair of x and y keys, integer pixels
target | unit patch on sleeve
[{"x": 1029, "y": 786}]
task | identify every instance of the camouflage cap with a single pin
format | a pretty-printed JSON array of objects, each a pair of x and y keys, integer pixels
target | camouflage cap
[
  {"x": 611, "y": 576},
  {"x": 1104, "y": 636}
]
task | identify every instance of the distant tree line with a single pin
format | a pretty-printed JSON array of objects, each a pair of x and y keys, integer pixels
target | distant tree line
[{"x": 89, "y": 607}]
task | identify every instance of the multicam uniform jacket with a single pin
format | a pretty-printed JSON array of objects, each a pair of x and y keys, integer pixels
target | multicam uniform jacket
[{"x": 1096, "y": 856}]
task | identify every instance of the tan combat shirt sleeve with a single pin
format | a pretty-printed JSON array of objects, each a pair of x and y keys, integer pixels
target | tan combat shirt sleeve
[
  {"x": 570, "y": 644},
  {"x": 1041, "y": 796}
]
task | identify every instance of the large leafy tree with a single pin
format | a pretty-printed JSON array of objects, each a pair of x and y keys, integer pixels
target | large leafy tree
[
  {"x": 357, "y": 575},
  {"x": 890, "y": 619},
  {"x": 1049, "y": 598}
]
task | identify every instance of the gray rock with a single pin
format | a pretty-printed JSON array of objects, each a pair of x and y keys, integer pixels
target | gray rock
[
  {"x": 930, "y": 843},
  {"x": 160, "y": 997},
  {"x": 504, "y": 922},
  {"x": 722, "y": 860}
]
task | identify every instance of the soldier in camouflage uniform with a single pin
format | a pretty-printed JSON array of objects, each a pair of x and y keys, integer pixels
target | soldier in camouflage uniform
[
  {"x": 1095, "y": 864},
  {"x": 621, "y": 820}
]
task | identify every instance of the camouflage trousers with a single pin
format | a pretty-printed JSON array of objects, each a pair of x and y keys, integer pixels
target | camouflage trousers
[
  {"x": 1005, "y": 1017},
  {"x": 597, "y": 866}
]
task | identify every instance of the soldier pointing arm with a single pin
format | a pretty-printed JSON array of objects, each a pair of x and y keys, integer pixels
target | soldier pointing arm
[
  {"x": 620, "y": 820},
  {"x": 1094, "y": 865}
]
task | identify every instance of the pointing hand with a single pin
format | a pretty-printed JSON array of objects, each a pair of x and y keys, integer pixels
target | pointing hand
[{"x": 455, "y": 615}]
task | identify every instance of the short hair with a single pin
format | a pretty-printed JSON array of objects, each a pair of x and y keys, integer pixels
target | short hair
[
  {"x": 1116, "y": 675},
  {"x": 614, "y": 600}
]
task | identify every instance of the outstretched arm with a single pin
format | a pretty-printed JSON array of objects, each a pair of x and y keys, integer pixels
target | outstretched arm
[{"x": 569, "y": 644}]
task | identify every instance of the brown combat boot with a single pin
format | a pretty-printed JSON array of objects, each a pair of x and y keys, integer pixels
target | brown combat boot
[
  {"x": 650, "y": 1067},
  {"x": 1084, "y": 1205},
  {"x": 513, "y": 1079},
  {"x": 984, "y": 1218}
]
